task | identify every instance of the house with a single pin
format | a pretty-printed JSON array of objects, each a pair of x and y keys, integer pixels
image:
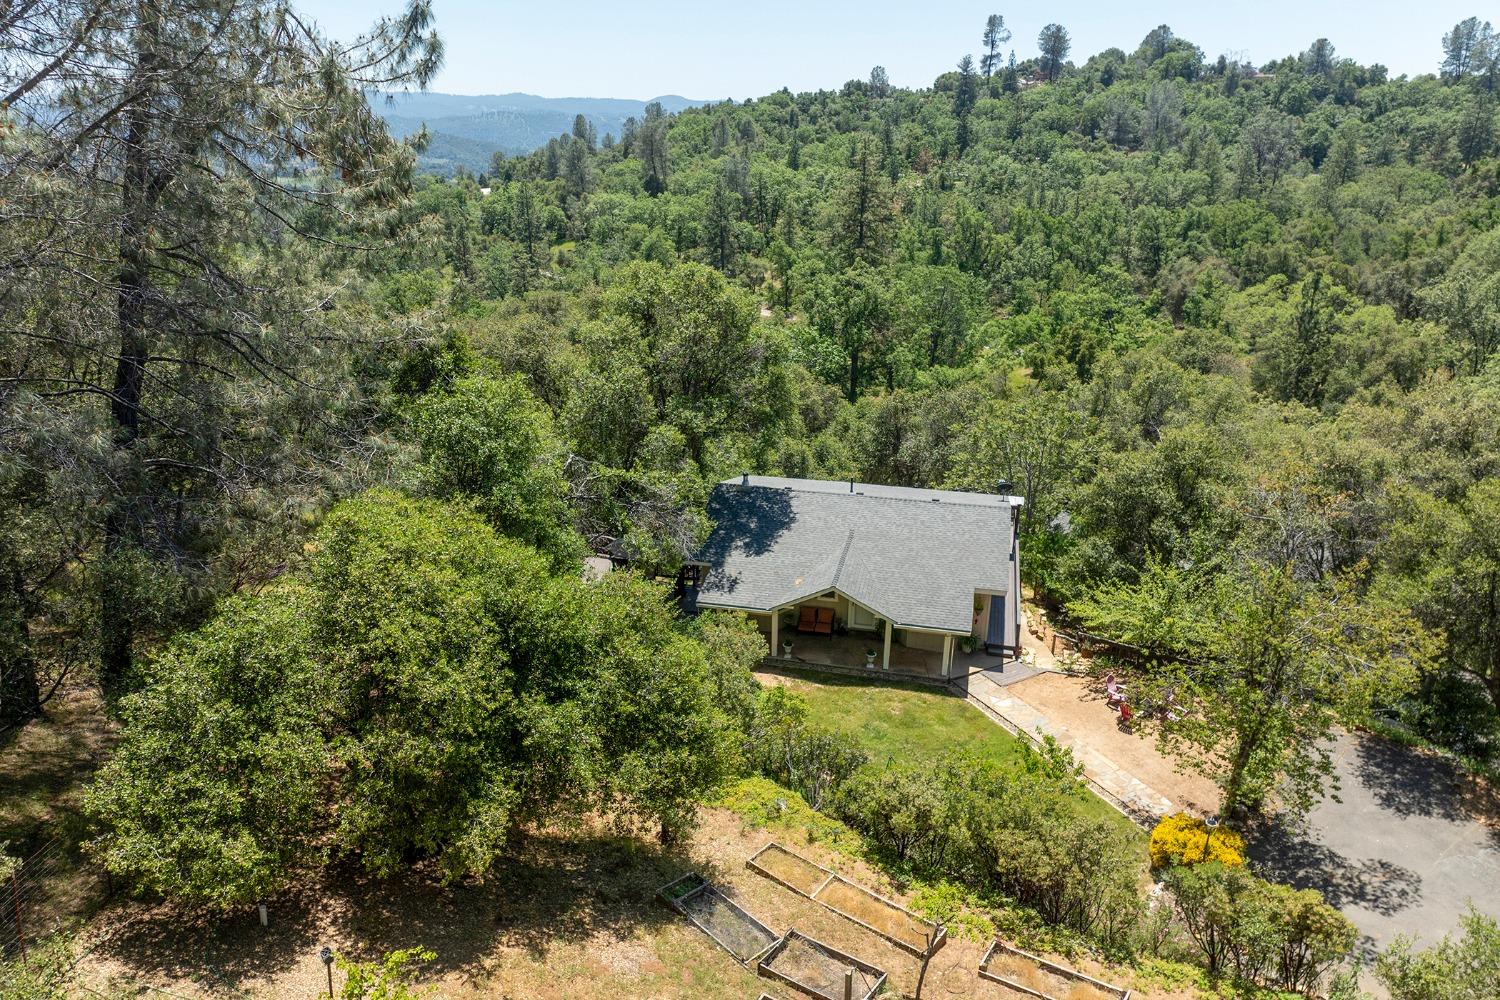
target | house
[{"x": 841, "y": 569}]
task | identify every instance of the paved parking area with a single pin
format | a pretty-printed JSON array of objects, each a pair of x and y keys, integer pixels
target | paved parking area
[{"x": 1405, "y": 851}]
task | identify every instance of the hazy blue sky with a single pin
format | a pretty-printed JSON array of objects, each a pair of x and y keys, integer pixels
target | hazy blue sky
[{"x": 717, "y": 50}]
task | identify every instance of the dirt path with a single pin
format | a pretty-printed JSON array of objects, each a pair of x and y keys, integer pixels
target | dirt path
[{"x": 1080, "y": 717}]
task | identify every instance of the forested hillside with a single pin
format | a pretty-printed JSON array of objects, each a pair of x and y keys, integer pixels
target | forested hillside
[
  {"x": 301, "y": 449},
  {"x": 1220, "y": 316}
]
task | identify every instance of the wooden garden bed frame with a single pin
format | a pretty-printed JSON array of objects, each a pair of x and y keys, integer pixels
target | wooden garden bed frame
[
  {"x": 937, "y": 934},
  {"x": 767, "y": 957},
  {"x": 1000, "y": 947},
  {"x": 692, "y": 885}
]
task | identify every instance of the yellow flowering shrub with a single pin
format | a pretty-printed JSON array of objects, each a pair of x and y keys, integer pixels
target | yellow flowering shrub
[{"x": 1181, "y": 839}]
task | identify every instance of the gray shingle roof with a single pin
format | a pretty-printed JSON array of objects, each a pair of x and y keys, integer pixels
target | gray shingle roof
[{"x": 916, "y": 557}]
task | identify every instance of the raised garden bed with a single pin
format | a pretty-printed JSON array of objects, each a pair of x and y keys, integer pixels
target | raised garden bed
[
  {"x": 816, "y": 970},
  {"x": 1033, "y": 976},
  {"x": 875, "y": 913},
  {"x": 718, "y": 916},
  {"x": 789, "y": 869},
  {"x": 850, "y": 900}
]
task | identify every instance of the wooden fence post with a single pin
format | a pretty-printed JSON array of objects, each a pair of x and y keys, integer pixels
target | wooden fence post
[{"x": 849, "y": 983}]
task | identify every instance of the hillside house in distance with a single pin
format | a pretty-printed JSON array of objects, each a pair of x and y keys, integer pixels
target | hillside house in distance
[{"x": 926, "y": 580}]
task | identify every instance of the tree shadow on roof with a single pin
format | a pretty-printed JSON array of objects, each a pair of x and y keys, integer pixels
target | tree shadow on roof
[{"x": 750, "y": 520}]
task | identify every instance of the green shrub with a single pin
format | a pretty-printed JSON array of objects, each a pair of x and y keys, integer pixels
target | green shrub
[
  {"x": 1261, "y": 931},
  {"x": 1463, "y": 968},
  {"x": 798, "y": 754},
  {"x": 954, "y": 906},
  {"x": 762, "y": 803},
  {"x": 391, "y": 978},
  {"x": 1016, "y": 836}
]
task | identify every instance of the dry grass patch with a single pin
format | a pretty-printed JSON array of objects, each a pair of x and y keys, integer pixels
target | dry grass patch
[
  {"x": 793, "y": 869},
  {"x": 875, "y": 913},
  {"x": 1023, "y": 971}
]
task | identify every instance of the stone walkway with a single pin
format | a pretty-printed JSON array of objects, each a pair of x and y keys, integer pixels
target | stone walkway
[
  {"x": 989, "y": 690},
  {"x": 1126, "y": 790}
]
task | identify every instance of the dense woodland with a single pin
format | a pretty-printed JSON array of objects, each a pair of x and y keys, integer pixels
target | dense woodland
[{"x": 284, "y": 423}]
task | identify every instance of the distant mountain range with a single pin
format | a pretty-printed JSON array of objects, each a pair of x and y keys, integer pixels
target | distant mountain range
[{"x": 466, "y": 130}]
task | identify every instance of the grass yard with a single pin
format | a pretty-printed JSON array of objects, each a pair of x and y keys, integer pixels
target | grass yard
[{"x": 900, "y": 721}]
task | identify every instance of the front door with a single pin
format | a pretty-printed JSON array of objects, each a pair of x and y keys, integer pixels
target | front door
[{"x": 995, "y": 633}]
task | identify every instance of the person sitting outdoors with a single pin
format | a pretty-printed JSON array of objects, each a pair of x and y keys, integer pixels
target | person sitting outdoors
[{"x": 1114, "y": 691}]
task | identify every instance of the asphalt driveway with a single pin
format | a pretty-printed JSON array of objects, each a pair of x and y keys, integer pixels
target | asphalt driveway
[{"x": 1404, "y": 852}]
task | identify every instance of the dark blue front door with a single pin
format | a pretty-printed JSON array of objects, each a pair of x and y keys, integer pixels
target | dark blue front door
[{"x": 995, "y": 633}]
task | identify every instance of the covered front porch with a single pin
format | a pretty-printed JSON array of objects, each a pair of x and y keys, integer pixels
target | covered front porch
[{"x": 847, "y": 654}]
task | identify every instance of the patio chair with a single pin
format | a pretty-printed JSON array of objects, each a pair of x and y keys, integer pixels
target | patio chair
[
  {"x": 825, "y": 622},
  {"x": 807, "y": 620},
  {"x": 1114, "y": 691}
]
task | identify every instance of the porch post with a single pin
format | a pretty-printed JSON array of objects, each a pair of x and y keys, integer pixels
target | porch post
[
  {"x": 947, "y": 654},
  {"x": 775, "y": 627},
  {"x": 885, "y": 660}
]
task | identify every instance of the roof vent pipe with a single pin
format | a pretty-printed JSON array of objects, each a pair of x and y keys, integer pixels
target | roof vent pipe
[
  {"x": 851, "y": 486},
  {"x": 744, "y": 479}
]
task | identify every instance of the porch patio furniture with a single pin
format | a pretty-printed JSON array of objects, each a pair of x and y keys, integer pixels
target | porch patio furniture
[{"x": 815, "y": 621}]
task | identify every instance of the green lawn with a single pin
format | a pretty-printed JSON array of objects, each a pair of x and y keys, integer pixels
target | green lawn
[{"x": 899, "y": 721}]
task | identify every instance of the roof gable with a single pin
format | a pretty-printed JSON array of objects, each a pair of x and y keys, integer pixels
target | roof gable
[{"x": 916, "y": 557}]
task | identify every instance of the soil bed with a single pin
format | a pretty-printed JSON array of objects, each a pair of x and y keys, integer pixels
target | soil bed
[
  {"x": 880, "y": 916},
  {"x": 1023, "y": 973},
  {"x": 742, "y": 936},
  {"x": 812, "y": 966},
  {"x": 1029, "y": 973},
  {"x": 793, "y": 870}
]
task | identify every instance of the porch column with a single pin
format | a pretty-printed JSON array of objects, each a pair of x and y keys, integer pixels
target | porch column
[
  {"x": 885, "y": 660},
  {"x": 947, "y": 654},
  {"x": 775, "y": 627}
]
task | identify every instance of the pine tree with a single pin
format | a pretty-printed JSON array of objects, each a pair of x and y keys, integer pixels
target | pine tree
[
  {"x": 1318, "y": 60},
  {"x": 864, "y": 210},
  {"x": 965, "y": 96},
  {"x": 996, "y": 34},
  {"x": 1466, "y": 47},
  {"x": 651, "y": 148},
  {"x": 184, "y": 122},
  {"x": 1476, "y": 129},
  {"x": 584, "y": 132},
  {"x": 718, "y": 225},
  {"x": 1054, "y": 44}
]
